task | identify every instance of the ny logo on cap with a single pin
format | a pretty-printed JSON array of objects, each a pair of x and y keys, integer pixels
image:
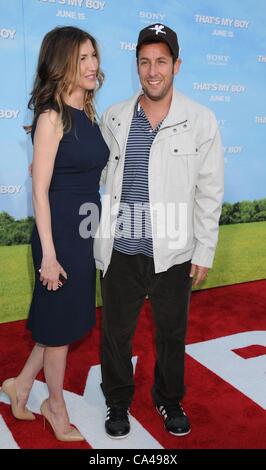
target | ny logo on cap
[{"x": 158, "y": 29}]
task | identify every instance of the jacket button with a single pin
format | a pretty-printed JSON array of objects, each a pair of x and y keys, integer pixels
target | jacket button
[
  {"x": 176, "y": 150},
  {"x": 113, "y": 119},
  {"x": 174, "y": 130},
  {"x": 116, "y": 157},
  {"x": 118, "y": 124},
  {"x": 185, "y": 125},
  {"x": 197, "y": 150}
]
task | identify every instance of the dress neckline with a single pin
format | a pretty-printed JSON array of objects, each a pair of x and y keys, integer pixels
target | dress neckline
[{"x": 76, "y": 109}]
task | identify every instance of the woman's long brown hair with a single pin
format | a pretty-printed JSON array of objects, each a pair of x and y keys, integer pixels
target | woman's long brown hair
[{"x": 58, "y": 72}]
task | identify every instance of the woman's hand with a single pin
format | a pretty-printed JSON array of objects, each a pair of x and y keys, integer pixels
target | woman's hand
[{"x": 49, "y": 273}]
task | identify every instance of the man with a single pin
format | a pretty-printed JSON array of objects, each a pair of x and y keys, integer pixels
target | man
[{"x": 165, "y": 172}]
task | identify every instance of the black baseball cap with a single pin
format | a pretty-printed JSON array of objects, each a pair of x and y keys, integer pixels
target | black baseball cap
[{"x": 159, "y": 33}]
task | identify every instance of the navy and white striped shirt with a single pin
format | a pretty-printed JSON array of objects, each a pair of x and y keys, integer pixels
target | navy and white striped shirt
[{"x": 133, "y": 229}]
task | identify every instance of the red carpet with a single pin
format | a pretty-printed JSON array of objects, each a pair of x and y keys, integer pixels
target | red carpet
[{"x": 221, "y": 416}]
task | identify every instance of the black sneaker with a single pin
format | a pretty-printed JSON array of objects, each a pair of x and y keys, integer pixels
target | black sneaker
[
  {"x": 175, "y": 420},
  {"x": 117, "y": 423}
]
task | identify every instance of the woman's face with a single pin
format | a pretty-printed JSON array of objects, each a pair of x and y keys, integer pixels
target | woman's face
[{"x": 88, "y": 66}]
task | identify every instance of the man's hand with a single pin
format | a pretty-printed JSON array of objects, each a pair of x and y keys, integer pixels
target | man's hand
[{"x": 199, "y": 274}]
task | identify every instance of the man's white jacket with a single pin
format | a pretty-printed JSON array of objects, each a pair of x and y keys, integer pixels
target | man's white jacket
[{"x": 185, "y": 183}]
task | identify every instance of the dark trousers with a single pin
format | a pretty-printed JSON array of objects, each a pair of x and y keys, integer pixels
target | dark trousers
[{"x": 124, "y": 287}]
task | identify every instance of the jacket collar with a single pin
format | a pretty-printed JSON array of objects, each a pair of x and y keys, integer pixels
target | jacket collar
[
  {"x": 177, "y": 113},
  {"x": 119, "y": 120},
  {"x": 121, "y": 116}
]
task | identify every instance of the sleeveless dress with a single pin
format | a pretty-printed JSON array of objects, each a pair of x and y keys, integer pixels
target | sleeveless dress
[{"x": 60, "y": 317}]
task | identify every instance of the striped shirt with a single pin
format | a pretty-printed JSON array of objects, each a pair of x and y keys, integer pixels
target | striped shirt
[{"x": 133, "y": 233}]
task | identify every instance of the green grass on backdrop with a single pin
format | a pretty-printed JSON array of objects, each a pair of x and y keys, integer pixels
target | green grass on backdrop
[{"x": 240, "y": 257}]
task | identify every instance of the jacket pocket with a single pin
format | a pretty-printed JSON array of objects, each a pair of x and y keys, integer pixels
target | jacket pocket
[{"x": 183, "y": 162}]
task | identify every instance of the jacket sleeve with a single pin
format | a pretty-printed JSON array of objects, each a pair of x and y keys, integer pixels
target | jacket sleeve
[
  {"x": 208, "y": 197},
  {"x": 107, "y": 137}
]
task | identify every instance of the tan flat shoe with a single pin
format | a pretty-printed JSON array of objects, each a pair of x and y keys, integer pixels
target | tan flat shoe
[
  {"x": 9, "y": 388},
  {"x": 72, "y": 436}
]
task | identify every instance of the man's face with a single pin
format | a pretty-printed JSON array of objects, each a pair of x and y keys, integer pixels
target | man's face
[{"x": 156, "y": 70}]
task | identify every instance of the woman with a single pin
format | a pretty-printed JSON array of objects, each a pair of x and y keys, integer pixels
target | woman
[{"x": 69, "y": 155}]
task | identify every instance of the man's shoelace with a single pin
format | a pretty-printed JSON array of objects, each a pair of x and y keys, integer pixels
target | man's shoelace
[
  {"x": 117, "y": 414},
  {"x": 173, "y": 411}
]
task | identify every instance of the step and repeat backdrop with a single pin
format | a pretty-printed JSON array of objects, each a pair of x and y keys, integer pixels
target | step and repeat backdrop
[{"x": 223, "y": 51}]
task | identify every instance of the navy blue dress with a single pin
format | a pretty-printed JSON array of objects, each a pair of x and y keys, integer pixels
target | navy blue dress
[{"x": 60, "y": 317}]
